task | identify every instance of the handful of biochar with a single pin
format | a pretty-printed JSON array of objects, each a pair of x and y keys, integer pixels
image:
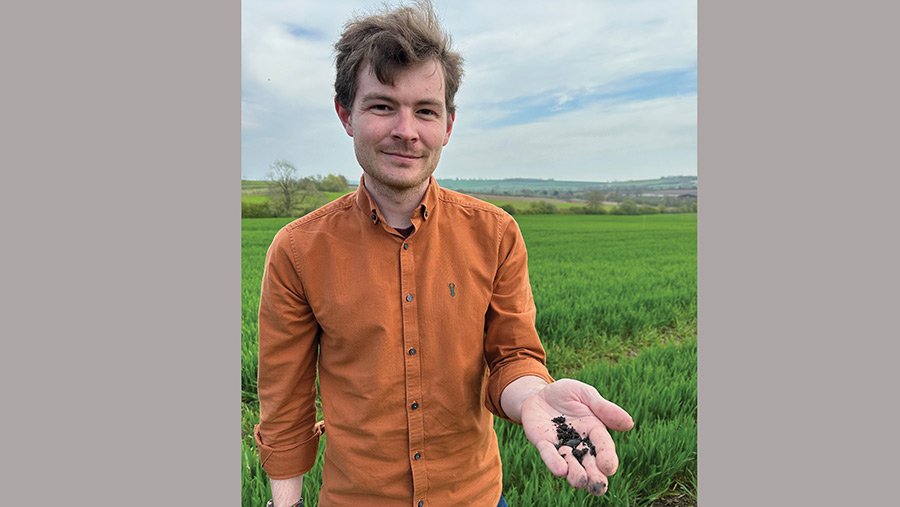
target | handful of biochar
[{"x": 567, "y": 436}]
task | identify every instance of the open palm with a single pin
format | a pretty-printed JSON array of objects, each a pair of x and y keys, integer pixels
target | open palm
[{"x": 589, "y": 415}]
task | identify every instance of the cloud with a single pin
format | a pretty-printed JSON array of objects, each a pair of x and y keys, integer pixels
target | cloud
[
  {"x": 282, "y": 66},
  {"x": 248, "y": 120},
  {"x": 603, "y": 141},
  {"x": 543, "y": 46},
  {"x": 567, "y": 86}
]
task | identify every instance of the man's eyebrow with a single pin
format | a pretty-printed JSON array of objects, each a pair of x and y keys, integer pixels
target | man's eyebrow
[
  {"x": 369, "y": 97},
  {"x": 431, "y": 102},
  {"x": 380, "y": 97}
]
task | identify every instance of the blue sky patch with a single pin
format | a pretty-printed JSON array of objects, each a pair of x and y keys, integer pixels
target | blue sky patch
[
  {"x": 650, "y": 85},
  {"x": 303, "y": 33}
]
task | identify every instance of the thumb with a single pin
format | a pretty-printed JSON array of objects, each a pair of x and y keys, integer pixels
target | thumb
[{"x": 610, "y": 414}]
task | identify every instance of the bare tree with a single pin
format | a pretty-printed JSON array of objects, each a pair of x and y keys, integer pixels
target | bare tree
[{"x": 289, "y": 192}]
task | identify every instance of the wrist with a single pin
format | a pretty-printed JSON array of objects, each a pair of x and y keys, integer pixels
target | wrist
[
  {"x": 285, "y": 492},
  {"x": 515, "y": 394},
  {"x": 298, "y": 504}
]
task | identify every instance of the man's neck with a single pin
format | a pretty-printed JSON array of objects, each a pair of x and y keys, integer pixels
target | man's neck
[{"x": 396, "y": 206}]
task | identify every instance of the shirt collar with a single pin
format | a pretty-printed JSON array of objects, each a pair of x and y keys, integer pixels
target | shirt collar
[{"x": 425, "y": 211}]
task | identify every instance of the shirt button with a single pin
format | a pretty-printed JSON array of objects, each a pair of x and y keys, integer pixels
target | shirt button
[
  {"x": 415, "y": 405},
  {"x": 406, "y": 246},
  {"x": 412, "y": 352},
  {"x": 409, "y": 297},
  {"x": 417, "y": 456},
  {"x": 421, "y": 503},
  {"x": 374, "y": 216},
  {"x": 426, "y": 214}
]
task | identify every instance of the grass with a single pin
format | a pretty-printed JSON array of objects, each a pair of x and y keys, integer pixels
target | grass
[
  {"x": 255, "y": 198},
  {"x": 658, "y": 457},
  {"x": 607, "y": 284},
  {"x": 258, "y": 194},
  {"x": 617, "y": 302}
]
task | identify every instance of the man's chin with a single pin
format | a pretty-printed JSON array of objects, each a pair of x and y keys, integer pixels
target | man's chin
[{"x": 400, "y": 182}]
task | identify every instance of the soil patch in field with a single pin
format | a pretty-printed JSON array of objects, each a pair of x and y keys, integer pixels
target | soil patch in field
[{"x": 675, "y": 501}]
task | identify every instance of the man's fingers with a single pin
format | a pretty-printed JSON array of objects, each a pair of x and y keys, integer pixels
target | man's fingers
[
  {"x": 551, "y": 456},
  {"x": 606, "y": 461},
  {"x": 612, "y": 415},
  {"x": 597, "y": 480},
  {"x": 577, "y": 476}
]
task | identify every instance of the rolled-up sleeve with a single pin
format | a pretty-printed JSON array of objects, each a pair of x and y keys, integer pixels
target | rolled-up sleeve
[
  {"x": 512, "y": 347},
  {"x": 286, "y": 436}
]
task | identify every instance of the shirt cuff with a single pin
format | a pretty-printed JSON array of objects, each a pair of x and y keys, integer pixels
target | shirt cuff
[{"x": 288, "y": 462}]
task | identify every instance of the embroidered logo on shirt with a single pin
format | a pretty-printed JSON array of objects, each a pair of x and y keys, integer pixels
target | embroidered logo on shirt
[{"x": 452, "y": 292}]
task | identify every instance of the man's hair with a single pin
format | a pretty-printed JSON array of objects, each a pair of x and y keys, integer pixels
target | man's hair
[{"x": 391, "y": 42}]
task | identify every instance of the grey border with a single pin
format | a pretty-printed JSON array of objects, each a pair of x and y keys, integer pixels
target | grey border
[
  {"x": 121, "y": 171},
  {"x": 797, "y": 260},
  {"x": 122, "y": 308}
]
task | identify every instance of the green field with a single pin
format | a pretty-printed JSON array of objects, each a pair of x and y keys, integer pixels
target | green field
[
  {"x": 617, "y": 304},
  {"x": 563, "y": 195},
  {"x": 522, "y": 204},
  {"x": 258, "y": 195},
  {"x": 252, "y": 186},
  {"x": 519, "y": 186},
  {"x": 257, "y": 192}
]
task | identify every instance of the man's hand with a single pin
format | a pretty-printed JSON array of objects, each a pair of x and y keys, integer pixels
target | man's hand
[{"x": 590, "y": 415}]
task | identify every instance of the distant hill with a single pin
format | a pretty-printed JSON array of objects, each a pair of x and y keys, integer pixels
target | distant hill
[{"x": 531, "y": 186}]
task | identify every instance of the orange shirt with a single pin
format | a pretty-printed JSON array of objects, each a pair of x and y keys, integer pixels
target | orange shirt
[{"x": 414, "y": 340}]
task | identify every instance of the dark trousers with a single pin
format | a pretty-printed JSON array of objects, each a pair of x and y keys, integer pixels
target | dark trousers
[{"x": 502, "y": 502}]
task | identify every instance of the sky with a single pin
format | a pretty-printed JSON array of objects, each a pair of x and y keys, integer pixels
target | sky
[{"x": 602, "y": 90}]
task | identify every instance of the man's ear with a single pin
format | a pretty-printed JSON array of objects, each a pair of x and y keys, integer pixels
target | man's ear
[
  {"x": 449, "y": 128},
  {"x": 344, "y": 115}
]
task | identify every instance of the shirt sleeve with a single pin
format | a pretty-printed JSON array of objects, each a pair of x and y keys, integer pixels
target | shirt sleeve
[
  {"x": 286, "y": 436},
  {"x": 512, "y": 347}
]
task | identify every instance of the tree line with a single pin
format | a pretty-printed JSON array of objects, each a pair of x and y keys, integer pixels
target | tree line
[
  {"x": 627, "y": 207},
  {"x": 594, "y": 205},
  {"x": 292, "y": 195}
]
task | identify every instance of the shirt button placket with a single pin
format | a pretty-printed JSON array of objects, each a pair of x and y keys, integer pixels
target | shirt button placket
[{"x": 413, "y": 372}]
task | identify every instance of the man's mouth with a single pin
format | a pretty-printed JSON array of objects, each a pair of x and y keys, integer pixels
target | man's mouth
[{"x": 402, "y": 156}]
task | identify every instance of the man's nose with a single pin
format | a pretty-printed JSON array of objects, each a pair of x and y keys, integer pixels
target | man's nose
[{"x": 405, "y": 127}]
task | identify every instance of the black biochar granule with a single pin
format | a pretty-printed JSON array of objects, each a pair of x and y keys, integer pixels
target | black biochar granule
[{"x": 566, "y": 435}]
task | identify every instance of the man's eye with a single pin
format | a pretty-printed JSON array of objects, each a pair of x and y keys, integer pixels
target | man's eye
[
  {"x": 381, "y": 107},
  {"x": 427, "y": 112}
]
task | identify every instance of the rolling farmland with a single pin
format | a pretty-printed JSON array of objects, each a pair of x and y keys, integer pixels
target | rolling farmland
[{"x": 617, "y": 304}]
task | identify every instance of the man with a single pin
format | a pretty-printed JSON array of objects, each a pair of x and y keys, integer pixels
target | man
[{"x": 413, "y": 305}]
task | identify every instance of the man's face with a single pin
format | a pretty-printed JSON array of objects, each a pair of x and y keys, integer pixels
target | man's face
[{"x": 398, "y": 131}]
